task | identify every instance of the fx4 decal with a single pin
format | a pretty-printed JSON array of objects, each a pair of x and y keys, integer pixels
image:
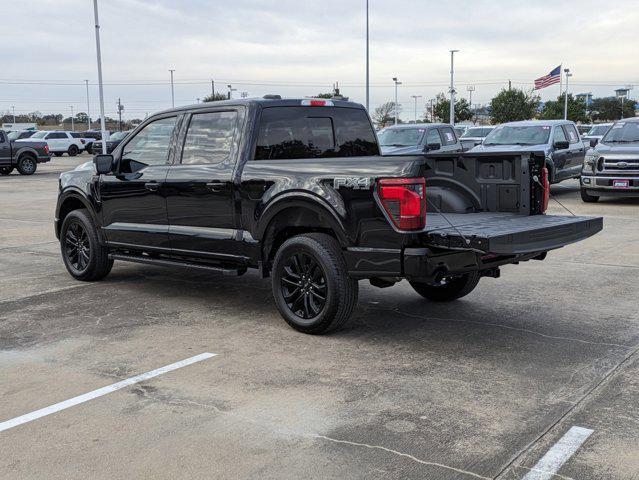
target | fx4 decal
[{"x": 356, "y": 183}]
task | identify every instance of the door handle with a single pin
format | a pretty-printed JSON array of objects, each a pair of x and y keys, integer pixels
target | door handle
[
  {"x": 152, "y": 186},
  {"x": 215, "y": 186}
]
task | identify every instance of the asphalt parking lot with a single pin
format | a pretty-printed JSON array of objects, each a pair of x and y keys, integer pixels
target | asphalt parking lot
[{"x": 480, "y": 388}]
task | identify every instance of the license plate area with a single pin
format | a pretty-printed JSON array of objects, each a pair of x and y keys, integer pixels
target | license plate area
[{"x": 621, "y": 183}]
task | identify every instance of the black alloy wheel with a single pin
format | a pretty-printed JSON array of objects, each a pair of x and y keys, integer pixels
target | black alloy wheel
[
  {"x": 303, "y": 284},
  {"x": 77, "y": 247}
]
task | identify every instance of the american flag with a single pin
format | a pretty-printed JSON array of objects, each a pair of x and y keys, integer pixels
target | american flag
[{"x": 553, "y": 77}]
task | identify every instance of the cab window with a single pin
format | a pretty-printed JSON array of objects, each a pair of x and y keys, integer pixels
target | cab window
[
  {"x": 448, "y": 136},
  {"x": 573, "y": 136},
  {"x": 209, "y": 138},
  {"x": 150, "y": 146},
  {"x": 558, "y": 135}
]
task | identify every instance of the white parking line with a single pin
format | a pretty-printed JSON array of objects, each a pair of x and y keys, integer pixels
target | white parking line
[
  {"x": 28, "y": 417},
  {"x": 559, "y": 454}
]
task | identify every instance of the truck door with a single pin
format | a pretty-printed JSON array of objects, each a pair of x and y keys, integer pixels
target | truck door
[
  {"x": 560, "y": 147},
  {"x": 576, "y": 152},
  {"x": 5, "y": 149},
  {"x": 200, "y": 188},
  {"x": 133, "y": 198}
]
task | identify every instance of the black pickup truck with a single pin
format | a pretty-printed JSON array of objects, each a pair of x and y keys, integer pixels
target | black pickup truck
[
  {"x": 298, "y": 189},
  {"x": 21, "y": 154}
]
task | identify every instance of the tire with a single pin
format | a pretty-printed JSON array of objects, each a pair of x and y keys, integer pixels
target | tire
[
  {"x": 588, "y": 198},
  {"x": 89, "y": 148},
  {"x": 27, "y": 164},
  {"x": 313, "y": 266},
  {"x": 6, "y": 170},
  {"x": 83, "y": 256},
  {"x": 58, "y": 154},
  {"x": 453, "y": 289},
  {"x": 73, "y": 150}
]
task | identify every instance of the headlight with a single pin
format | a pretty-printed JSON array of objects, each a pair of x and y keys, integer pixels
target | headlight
[{"x": 590, "y": 160}]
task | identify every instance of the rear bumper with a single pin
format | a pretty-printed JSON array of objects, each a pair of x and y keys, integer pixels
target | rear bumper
[{"x": 43, "y": 159}]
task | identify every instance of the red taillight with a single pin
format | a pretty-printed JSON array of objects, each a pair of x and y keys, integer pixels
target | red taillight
[
  {"x": 312, "y": 102},
  {"x": 46, "y": 149},
  {"x": 404, "y": 200},
  {"x": 546, "y": 186}
]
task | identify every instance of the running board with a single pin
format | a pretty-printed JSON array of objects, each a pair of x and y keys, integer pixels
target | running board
[{"x": 166, "y": 262}]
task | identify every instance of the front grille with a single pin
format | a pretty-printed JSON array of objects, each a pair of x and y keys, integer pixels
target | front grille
[{"x": 620, "y": 165}]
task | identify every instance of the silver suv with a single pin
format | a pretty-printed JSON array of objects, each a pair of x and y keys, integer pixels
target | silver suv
[{"x": 612, "y": 166}]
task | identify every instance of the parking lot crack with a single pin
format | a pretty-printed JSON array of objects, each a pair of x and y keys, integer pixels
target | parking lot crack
[{"x": 401, "y": 454}]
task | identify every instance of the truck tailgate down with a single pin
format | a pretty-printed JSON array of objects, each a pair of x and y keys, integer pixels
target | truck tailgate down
[{"x": 508, "y": 233}]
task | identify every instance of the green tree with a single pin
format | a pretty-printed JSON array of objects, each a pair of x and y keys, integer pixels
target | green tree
[
  {"x": 215, "y": 97},
  {"x": 514, "y": 104},
  {"x": 554, "y": 109},
  {"x": 324, "y": 95},
  {"x": 385, "y": 113},
  {"x": 442, "y": 109},
  {"x": 609, "y": 108}
]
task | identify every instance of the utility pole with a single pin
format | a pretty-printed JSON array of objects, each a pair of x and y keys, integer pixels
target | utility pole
[
  {"x": 510, "y": 85},
  {"x": 104, "y": 134},
  {"x": 88, "y": 107},
  {"x": 396, "y": 105},
  {"x": 452, "y": 86},
  {"x": 432, "y": 110},
  {"x": 120, "y": 108},
  {"x": 568, "y": 75},
  {"x": 13, "y": 107},
  {"x": 416, "y": 97},
  {"x": 197, "y": 99},
  {"x": 213, "y": 88},
  {"x": 368, "y": 64},
  {"x": 231, "y": 90},
  {"x": 172, "y": 92},
  {"x": 72, "y": 124}
]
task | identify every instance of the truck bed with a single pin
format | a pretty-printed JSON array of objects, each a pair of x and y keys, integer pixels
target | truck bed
[{"x": 508, "y": 233}]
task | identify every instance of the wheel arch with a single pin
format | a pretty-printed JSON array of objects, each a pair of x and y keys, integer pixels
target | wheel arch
[{"x": 74, "y": 200}]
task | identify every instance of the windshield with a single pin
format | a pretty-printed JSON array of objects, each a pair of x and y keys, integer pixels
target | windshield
[
  {"x": 400, "y": 137},
  {"x": 39, "y": 134},
  {"x": 518, "y": 135},
  {"x": 477, "y": 132},
  {"x": 118, "y": 135},
  {"x": 598, "y": 130},
  {"x": 622, "y": 132}
]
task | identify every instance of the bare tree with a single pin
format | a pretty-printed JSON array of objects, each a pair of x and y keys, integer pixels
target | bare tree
[{"x": 385, "y": 113}]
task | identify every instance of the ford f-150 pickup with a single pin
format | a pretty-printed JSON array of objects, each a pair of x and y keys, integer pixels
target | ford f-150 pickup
[
  {"x": 298, "y": 189},
  {"x": 21, "y": 154}
]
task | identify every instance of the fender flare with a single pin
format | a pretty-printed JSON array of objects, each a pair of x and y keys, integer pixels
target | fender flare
[
  {"x": 302, "y": 200},
  {"x": 77, "y": 194},
  {"x": 24, "y": 150}
]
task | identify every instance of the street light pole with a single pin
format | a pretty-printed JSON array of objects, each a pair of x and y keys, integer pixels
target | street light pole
[
  {"x": 367, "y": 63},
  {"x": 88, "y": 107},
  {"x": 471, "y": 89},
  {"x": 13, "y": 107},
  {"x": 172, "y": 93},
  {"x": 213, "y": 87},
  {"x": 452, "y": 87},
  {"x": 104, "y": 134},
  {"x": 568, "y": 75},
  {"x": 396, "y": 105},
  {"x": 72, "y": 124},
  {"x": 416, "y": 97}
]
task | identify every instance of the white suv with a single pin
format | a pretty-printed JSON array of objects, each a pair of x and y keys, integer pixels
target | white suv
[{"x": 60, "y": 142}]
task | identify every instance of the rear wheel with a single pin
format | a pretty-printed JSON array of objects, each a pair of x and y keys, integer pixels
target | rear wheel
[
  {"x": 27, "y": 165},
  {"x": 84, "y": 257},
  {"x": 450, "y": 288},
  {"x": 73, "y": 150},
  {"x": 6, "y": 170},
  {"x": 311, "y": 286},
  {"x": 588, "y": 198}
]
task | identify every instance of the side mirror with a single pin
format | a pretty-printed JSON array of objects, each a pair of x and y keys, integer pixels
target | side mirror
[
  {"x": 432, "y": 146},
  {"x": 561, "y": 145},
  {"x": 103, "y": 164},
  {"x": 593, "y": 142}
]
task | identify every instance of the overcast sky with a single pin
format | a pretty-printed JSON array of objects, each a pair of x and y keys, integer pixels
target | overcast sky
[{"x": 300, "y": 47}]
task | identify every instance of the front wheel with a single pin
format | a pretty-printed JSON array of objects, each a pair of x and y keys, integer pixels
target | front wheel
[
  {"x": 449, "y": 288},
  {"x": 588, "y": 198},
  {"x": 6, "y": 170},
  {"x": 311, "y": 286},
  {"x": 83, "y": 256},
  {"x": 27, "y": 165}
]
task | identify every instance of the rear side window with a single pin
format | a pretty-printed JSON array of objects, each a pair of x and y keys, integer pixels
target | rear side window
[
  {"x": 314, "y": 132},
  {"x": 209, "y": 138},
  {"x": 448, "y": 136},
  {"x": 573, "y": 136},
  {"x": 76, "y": 135}
]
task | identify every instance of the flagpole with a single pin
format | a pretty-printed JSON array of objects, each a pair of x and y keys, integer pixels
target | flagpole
[{"x": 561, "y": 80}]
